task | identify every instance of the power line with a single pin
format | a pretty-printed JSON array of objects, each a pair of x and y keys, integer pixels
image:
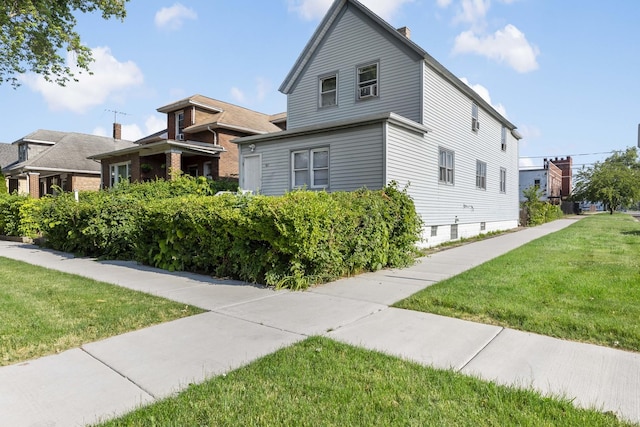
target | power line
[{"x": 570, "y": 155}]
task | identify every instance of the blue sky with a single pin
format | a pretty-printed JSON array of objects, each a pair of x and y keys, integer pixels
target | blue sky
[{"x": 566, "y": 73}]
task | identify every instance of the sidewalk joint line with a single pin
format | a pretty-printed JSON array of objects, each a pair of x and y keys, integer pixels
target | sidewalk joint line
[
  {"x": 464, "y": 365},
  {"x": 153, "y": 396}
]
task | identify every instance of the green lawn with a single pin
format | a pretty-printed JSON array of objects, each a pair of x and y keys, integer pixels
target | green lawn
[
  {"x": 319, "y": 382},
  {"x": 581, "y": 283},
  {"x": 45, "y": 311}
]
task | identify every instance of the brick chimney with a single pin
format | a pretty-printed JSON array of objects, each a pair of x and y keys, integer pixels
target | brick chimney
[
  {"x": 405, "y": 31},
  {"x": 117, "y": 131}
]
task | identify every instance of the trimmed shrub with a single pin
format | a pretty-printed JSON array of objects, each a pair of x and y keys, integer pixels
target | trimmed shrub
[{"x": 291, "y": 241}]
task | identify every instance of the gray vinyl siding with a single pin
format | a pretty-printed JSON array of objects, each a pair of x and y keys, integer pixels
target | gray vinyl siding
[
  {"x": 447, "y": 111},
  {"x": 353, "y": 41},
  {"x": 355, "y": 159},
  {"x": 412, "y": 160}
]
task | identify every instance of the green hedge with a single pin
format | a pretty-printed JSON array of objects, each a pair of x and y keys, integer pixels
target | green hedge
[{"x": 292, "y": 241}]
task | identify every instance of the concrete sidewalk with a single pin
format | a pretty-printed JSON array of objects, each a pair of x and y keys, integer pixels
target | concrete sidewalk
[{"x": 244, "y": 322}]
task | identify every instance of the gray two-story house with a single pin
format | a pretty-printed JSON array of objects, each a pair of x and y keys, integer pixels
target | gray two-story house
[{"x": 367, "y": 106}]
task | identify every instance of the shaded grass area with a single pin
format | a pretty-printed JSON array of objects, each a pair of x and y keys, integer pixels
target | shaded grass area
[
  {"x": 45, "y": 311},
  {"x": 581, "y": 283},
  {"x": 319, "y": 382}
]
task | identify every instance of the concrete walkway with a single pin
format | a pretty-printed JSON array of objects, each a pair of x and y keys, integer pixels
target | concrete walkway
[{"x": 103, "y": 379}]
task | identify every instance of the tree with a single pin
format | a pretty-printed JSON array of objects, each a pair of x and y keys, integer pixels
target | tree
[
  {"x": 33, "y": 34},
  {"x": 614, "y": 182}
]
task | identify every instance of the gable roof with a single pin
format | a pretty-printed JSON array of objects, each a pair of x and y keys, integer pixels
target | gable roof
[
  {"x": 225, "y": 115},
  {"x": 8, "y": 154},
  {"x": 335, "y": 12},
  {"x": 69, "y": 152}
]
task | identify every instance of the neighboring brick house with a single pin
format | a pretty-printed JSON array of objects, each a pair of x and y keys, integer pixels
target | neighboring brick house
[
  {"x": 49, "y": 159},
  {"x": 196, "y": 142},
  {"x": 548, "y": 180},
  {"x": 554, "y": 179}
]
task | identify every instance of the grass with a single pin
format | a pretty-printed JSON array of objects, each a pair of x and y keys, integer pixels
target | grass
[
  {"x": 46, "y": 311},
  {"x": 319, "y": 382},
  {"x": 581, "y": 283}
]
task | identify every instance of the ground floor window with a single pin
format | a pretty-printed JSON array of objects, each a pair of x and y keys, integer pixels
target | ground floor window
[
  {"x": 454, "y": 231},
  {"x": 310, "y": 168},
  {"x": 120, "y": 172}
]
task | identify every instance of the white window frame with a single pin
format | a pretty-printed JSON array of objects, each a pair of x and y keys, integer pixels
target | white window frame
[
  {"x": 372, "y": 84},
  {"x": 310, "y": 169},
  {"x": 503, "y": 180},
  {"x": 475, "y": 120},
  {"x": 322, "y": 92},
  {"x": 503, "y": 139},
  {"x": 114, "y": 177},
  {"x": 481, "y": 175},
  {"x": 178, "y": 129},
  {"x": 446, "y": 166}
]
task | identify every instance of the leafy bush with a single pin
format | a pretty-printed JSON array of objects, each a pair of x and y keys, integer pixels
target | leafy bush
[
  {"x": 19, "y": 216},
  {"x": 538, "y": 212},
  {"x": 291, "y": 241}
]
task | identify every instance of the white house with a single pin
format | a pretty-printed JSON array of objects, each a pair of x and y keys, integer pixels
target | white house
[{"x": 367, "y": 106}]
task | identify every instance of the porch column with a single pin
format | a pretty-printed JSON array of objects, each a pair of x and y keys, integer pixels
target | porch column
[
  {"x": 174, "y": 164},
  {"x": 33, "y": 180}
]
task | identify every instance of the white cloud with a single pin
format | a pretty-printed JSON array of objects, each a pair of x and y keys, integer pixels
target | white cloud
[
  {"x": 507, "y": 45},
  {"x": 261, "y": 90},
  {"x": 315, "y": 9},
  {"x": 484, "y": 94},
  {"x": 238, "y": 95},
  {"x": 172, "y": 18},
  {"x": 110, "y": 78},
  {"x": 529, "y": 132},
  {"x": 472, "y": 11},
  {"x": 443, "y": 3}
]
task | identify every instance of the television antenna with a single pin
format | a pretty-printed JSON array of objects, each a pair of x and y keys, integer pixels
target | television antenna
[{"x": 115, "y": 114}]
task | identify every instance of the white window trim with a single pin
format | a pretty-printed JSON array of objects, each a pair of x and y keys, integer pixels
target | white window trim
[
  {"x": 481, "y": 175},
  {"x": 113, "y": 170},
  {"x": 475, "y": 117},
  {"x": 177, "y": 115},
  {"x": 310, "y": 169},
  {"x": 503, "y": 180},
  {"x": 321, "y": 79},
  {"x": 450, "y": 154},
  {"x": 374, "y": 84}
]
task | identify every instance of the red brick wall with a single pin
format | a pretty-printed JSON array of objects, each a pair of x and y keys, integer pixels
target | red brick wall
[
  {"x": 565, "y": 166},
  {"x": 34, "y": 185}
]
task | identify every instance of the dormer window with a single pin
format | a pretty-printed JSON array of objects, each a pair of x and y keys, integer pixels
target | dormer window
[
  {"x": 368, "y": 81},
  {"x": 475, "y": 123},
  {"x": 329, "y": 90},
  {"x": 179, "y": 125},
  {"x": 23, "y": 150}
]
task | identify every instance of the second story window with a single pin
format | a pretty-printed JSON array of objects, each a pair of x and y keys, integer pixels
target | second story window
[
  {"x": 503, "y": 139},
  {"x": 329, "y": 91},
  {"x": 368, "y": 81},
  {"x": 475, "y": 122},
  {"x": 23, "y": 150},
  {"x": 179, "y": 125}
]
